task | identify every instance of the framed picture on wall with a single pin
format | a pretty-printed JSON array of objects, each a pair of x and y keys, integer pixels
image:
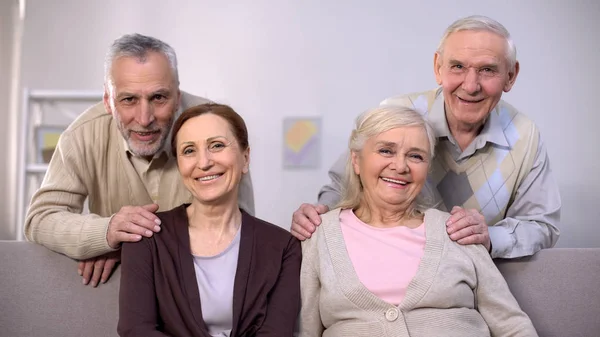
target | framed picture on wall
[
  {"x": 301, "y": 142},
  {"x": 47, "y": 140}
]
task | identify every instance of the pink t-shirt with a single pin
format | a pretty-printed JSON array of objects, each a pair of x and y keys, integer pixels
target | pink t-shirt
[{"x": 385, "y": 259}]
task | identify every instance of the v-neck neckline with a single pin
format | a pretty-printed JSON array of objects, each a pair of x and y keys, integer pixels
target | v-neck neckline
[{"x": 355, "y": 290}]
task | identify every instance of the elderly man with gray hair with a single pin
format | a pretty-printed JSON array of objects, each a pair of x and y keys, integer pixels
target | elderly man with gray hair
[
  {"x": 116, "y": 154},
  {"x": 491, "y": 170}
]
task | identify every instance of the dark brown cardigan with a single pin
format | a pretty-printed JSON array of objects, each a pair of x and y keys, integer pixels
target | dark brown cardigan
[{"x": 159, "y": 293}]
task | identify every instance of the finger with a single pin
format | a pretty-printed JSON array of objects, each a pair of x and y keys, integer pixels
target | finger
[
  {"x": 310, "y": 212},
  {"x": 456, "y": 216},
  {"x": 473, "y": 239},
  {"x": 321, "y": 209},
  {"x": 132, "y": 228},
  {"x": 302, "y": 223},
  {"x": 142, "y": 221},
  {"x": 457, "y": 225},
  {"x": 108, "y": 268},
  {"x": 127, "y": 237},
  {"x": 152, "y": 208},
  {"x": 147, "y": 214},
  {"x": 87, "y": 271},
  {"x": 300, "y": 233},
  {"x": 98, "y": 268},
  {"x": 455, "y": 209},
  {"x": 80, "y": 266},
  {"x": 465, "y": 232}
]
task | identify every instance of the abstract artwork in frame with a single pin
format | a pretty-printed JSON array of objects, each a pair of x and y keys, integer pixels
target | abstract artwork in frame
[
  {"x": 301, "y": 142},
  {"x": 47, "y": 140}
]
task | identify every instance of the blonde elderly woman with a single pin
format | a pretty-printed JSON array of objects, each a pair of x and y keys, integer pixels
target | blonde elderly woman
[{"x": 381, "y": 264}]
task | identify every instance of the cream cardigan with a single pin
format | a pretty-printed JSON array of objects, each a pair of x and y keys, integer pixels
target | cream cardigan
[{"x": 457, "y": 291}]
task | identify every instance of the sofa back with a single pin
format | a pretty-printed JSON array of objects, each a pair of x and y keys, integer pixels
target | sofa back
[
  {"x": 42, "y": 295},
  {"x": 559, "y": 289}
]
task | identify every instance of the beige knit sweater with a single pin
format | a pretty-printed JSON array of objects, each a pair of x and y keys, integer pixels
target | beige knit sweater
[
  {"x": 457, "y": 291},
  {"x": 90, "y": 161}
]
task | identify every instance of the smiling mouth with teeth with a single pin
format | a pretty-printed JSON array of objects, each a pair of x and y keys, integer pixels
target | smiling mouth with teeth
[
  {"x": 146, "y": 135},
  {"x": 208, "y": 178},
  {"x": 470, "y": 101},
  {"x": 394, "y": 181}
]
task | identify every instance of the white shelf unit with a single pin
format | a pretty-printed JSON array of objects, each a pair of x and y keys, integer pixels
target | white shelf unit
[{"x": 26, "y": 166}]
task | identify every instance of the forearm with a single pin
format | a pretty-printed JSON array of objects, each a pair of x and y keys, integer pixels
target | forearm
[
  {"x": 54, "y": 217},
  {"x": 328, "y": 196},
  {"x": 331, "y": 193},
  {"x": 75, "y": 235},
  {"x": 513, "y": 238},
  {"x": 532, "y": 219}
]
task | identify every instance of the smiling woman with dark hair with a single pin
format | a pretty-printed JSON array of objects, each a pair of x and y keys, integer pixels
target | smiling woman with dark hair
[{"x": 213, "y": 269}]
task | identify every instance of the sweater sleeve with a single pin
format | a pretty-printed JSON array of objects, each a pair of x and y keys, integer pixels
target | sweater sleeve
[
  {"x": 494, "y": 301},
  {"x": 310, "y": 288},
  {"x": 54, "y": 217}
]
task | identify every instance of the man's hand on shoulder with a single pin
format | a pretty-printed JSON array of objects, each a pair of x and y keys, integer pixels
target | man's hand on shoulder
[
  {"x": 130, "y": 223},
  {"x": 306, "y": 219},
  {"x": 467, "y": 226},
  {"x": 98, "y": 269}
]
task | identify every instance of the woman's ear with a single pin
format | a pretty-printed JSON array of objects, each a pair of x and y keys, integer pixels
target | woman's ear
[
  {"x": 355, "y": 162},
  {"x": 246, "y": 166}
]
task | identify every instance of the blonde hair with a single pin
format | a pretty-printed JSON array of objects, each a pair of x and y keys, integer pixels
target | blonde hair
[{"x": 372, "y": 123}]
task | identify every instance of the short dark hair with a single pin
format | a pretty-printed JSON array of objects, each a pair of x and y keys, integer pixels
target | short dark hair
[{"x": 235, "y": 121}]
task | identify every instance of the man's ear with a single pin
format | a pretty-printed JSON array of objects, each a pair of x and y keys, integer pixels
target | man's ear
[
  {"x": 437, "y": 67},
  {"x": 512, "y": 77},
  {"x": 106, "y": 100}
]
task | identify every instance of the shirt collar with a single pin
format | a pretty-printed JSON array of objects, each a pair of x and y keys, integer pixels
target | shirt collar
[{"x": 492, "y": 131}]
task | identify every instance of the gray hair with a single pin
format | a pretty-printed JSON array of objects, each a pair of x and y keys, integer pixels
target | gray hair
[
  {"x": 138, "y": 46},
  {"x": 372, "y": 123},
  {"x": 479, "y": 23}
]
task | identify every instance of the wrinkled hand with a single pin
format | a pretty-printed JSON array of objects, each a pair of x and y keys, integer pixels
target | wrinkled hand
[
  {"x": 130, "y": 223},
  {"x": 467, "y": 226},
  {"x": 306, "y": 219},
  {"x": 98, "y": 269}
]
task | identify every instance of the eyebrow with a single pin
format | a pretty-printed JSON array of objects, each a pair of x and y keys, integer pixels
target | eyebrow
[
  {"x": 485, "y": 65},
  {"x": 385, "y": 143},
  {"x": 161, "y": 91},
  {"x": 392, "y": 144},
  {"x": 208, "y": 140},
  {"x": 417, "y": 149}
]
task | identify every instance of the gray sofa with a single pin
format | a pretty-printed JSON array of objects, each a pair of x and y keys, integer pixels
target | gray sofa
[{"x": 42, "y": 295}]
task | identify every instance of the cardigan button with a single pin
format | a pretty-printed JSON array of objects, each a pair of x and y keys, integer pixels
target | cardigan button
[{"x": 391, "y": 314}]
